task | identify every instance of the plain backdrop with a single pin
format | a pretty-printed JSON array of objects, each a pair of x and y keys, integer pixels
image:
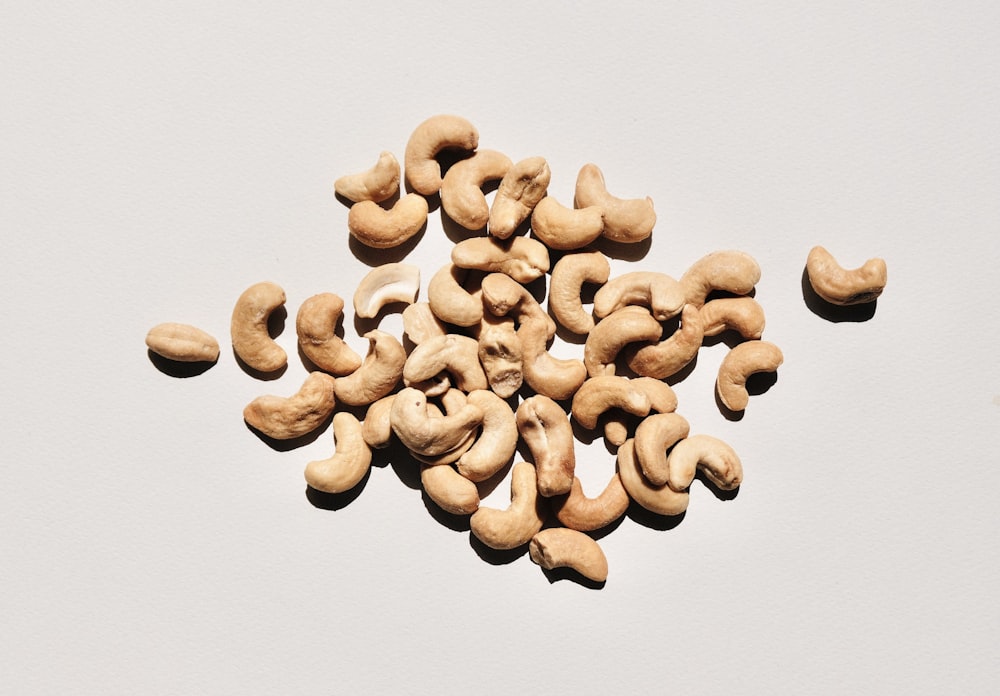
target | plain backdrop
[{"x": 158, "y": 158}]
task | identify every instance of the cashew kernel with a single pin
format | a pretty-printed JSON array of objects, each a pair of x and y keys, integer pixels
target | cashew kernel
[
  {"x": 429, "y": 138},
  {"x": 662, "y": 500},
  {"x": 605, "y": 392},
  {"x": 625, "y": 220},
  {"x": 840, "y": 286},
  {"x": 419, "y": 323},
  {"x": 454, "y": 353},
  {"x": 425, "y": 434},
  {"x": 559, "y": 547},
  {"x": 630, "y": 324},
  {"x": 739, "y": 363},
  {"x": 565, "y": 289},
  {"x": 576, "y": 511},
  {"x": 385, "y": 284},
  {"x": 669, "y": 356},
  {"x": 379, "y": 373},
  {"x": 315, "y": 324},
  {"x": 522, "y": 258},
  {"x": 501, "y": 354},
  {"x": 248, "y": 328},
  {"x": 376, "y": 428},
  {"x": 376, "y": 184},
  {"x": 741, "y": 314},
  {"x": 182, "y": 342},
  {"x": 520, "y": 190},
  {"x": 450, "y": 301},
  {"x": 350, "y": 462},
  {"x": 462, "y": 194},
  {"x": 513, "y": 527},
  {"x": 565, "y": 228},
  {"x": 376, "y": 227},
  {"x": 654, "y": 436},
  {"x": 284, "y": 418},
  {"x": 546, "y": 430},
  {"x": 716, "y": 459},
  {"x": 731, "y": 271},
  {"x": 451, "y": 491},
  {"x": 496, "y": 442},
  {"x": 662, "y": 294}
]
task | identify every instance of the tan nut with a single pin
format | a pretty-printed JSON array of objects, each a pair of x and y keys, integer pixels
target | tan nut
[
  {"x": 662, "y": 399},
  {"x": 559, "y": 227},
  {"x": 576, "y": 511},
  {"x": 450, "y": 301},
  {"x": 662, "y": 294},
  {"x": 669, "y": 356},
  {"x": 744, "y": 315},
  {"x": 556, "y": 378},
  {"x": 520, "y": 190},
  {"x": 419, "y": 323},
  {"x": 730, "y": 271},
  {"x": 546, "y": 430},
  {"x": 606, "y": 392},
  {"x": 350, "y": 462},
  {"x": 513, "y": 527},
  {"x": 559, "y": 547},
  {"x": 453, "y": 353},
  {"x": 662, "y": 500},
  {"x": 284, "y": 418},
  {"x": 655, "y": 435},
  {"x": 437, "y": 133},
  {"x": 182, "y": 343},
  {"x": 565, "y": 289},
  {"x": 462, "y": 194},
  {"x": 611, "y": 334},
  {"x": 626, "y": 220},
  {"x": 426, "y": 434},
  {"x": 384, "y": 285},
  {"x": 248, "y": 328},
  {"x": 376, "y": 227},
  {"x": 377, "y": 184},
  {"x": 496, "y": 443},
  {"x": 717, "y": 461},
  {"x": 501, "y": 354},
  {"x": 840, "y": 286},
  {"x": 379, "y": 373},
  {"x": 451, "y": 491},
  {"x": 522, "y": 258},
  {"x": 376, "y": 428},
  {"x": 316, "y": 324},
  {"x": 453, "y": 400},
  {"x": 503, "y": 296},
  {"x": 739, "y": 363}
]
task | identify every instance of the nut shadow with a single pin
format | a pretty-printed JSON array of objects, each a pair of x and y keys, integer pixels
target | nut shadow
[
  {"x": 496, "y": 557},
  {"x": 831, "y": 312},
  {"x": 652, "y": 520},
  {"x": 719, "y": 493},
  {"x": 372, "y": 256},
  {"x": 337, "y": 501},
  {"x": 623, "y": 251},
  {"x": 295, "y": 442},
  {"x": 570, "y": 575},
  {"x": 178, "y": 369}
]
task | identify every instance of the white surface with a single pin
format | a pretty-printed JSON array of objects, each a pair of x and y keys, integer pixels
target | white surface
[{"x": 157, "y": 159}]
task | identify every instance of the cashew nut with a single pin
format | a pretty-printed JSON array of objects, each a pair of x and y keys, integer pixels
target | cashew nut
[
  {"x": 251, "y": 341},
  {"x": 576, "y": 511},
  {"x": 315, "y": 324},
  {"x": 379, "y": 373},
  {"x": 182, "y": 342},
  {"x": 662, "y": 500},
  {"x": 376, "y": 227},
  {"x": 565, "y": 228},
  {"x": 522, "y": 258},
  {"x": 513, "y": 527},
  {"x": 385, "y": 284},
  {"x": 741, "y": 314},
  {"x": 546, "y": 430},
  {"x": 437, "y": 133},
  {"x": 565, "y": 289},
  {"x": 654, "y": 436},
  {"x": 450, "y": 301},
  {"x": 559, "y": 547},
  {"x": 840, "y": 286},
  {"x": 462, "y": 195},
  {"x": 521, "y": 188},
  {"x": 662, "y": 399},
  {"x": 376, "y": 184},
  {"x": 283, "y": 418},
  {"x": 454, "y": 353},
  {"x": 611, "y": 334},
  {"x": 501, "y": 354},
  {"x": 625, "y": 220},
  {"x": 662, "y": 294},
  {"x": 425, "y": 434},
  {"x": 556, "y": 378},
  {"x": 505, "y": 296},
  {"x": 453, "y": 400},
  {"x": 731, "y": 271},
  {"x": 350, "y": 462},
  {"x": 669, "y": 356},
  {"x": 419, "y": 323},
  {"x": 496, "y": 443},
  {"x": 604, "y": 392},
  {"x": 376, "y": 428},
  {"x": 739, "y": 363},
  {"x": 451, "y": 491},
  {"x": 716, "y": 459}
]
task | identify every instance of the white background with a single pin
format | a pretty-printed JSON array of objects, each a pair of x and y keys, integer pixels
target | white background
[{"x": 156, "y": 159}]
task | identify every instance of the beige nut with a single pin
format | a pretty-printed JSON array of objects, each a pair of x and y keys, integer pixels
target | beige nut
[
  {"x": 520, "y": 190},
  {"x": 562, "y": 228},
  {"x": 559, "y": 547},
  {"x": 556, "y": 378},
  {"x": 626, "y": 220},
  {"x": 462, "y": 196},
  {"x": 379, "y": 373},
  {"x": 437, "y": 133},
  {"x": 663, "y": 295},
  {"x": 630, "y": 324},
  {"x": 451, "y": 491},
  {"x": 350, "y": 462},
  {"x": 377, "y": 184},
  {"x": 450, "y": 301},
  {"x": 376, "y": 428},
  {"x": 384, "y": 285},
  {"x": 426, "y": 434},
  {"x": 744, "y": 315},
  {"x": 419, "y": 323},
  {"x": 284, "y": 418},
  {"x": 655, "y": 435},
  {"x": 453, "y": 353},
  {"x": 376, "y": 227},
  {"x": 522, "y": 258},
  {"x": 576, "y": 511},
  {"x": 316, "y": 324},
  {"x": 497, "y": 441},
  {"x": 739, "y": 363},
  {"x": 667, "y": 357},
  {"x": 248, "y": 328},
  {"x": 716, "y": 459},
  {"x": 546, "y": 430},
  {"x": 453, "y": 400},
  {"x": 182, "y": 343},
  {"x": 513, "y": 527},
  {"x": 501, "y": 354},
  {"x": 603, "y": 393},
  {"x": 840, "y": 286},
  {"x": 662, "y": 500},
  {"x": 566, "y": 288},
  {"x": 503, "y": 296},
  {"x": 662, "y": 399},
  {"x": 730, "y": 271}
]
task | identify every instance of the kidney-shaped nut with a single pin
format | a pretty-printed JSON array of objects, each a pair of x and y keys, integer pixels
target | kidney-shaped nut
[
  {"x": 385, "y": 284},
  {"x": 605, "y": 392},
  {"x": 426, "y": 434},
  {"x": 350, "y": 462},
  {"x": 376, "y": 184},
  {"x": 662, "y": 294},
  {"x": 451, "y": 491},
  {"x": 501, "y": 354},
  {"x": 611, "y": 334},
  {"x": 182, "y": 343},
  {"x": 522, "y": 258},
  {"x": 655, "y": 435},
  {"x": 379, "y": 373},
  {"x": 667, "y": 357},
  {"x": 739, "y": 363},
  {"x": 283, "y": 418},
  {"x": 513, "y": 527},
  {"x": 566, "y": 288},
  {"x": 376, "y": 428},
  {"x": 497, "y": 441},
  {"x": 316, "y": 324},
  {"x": 437, "y": 133},
  {"x": 565, "y": 228},
  {"x": 716, "y": 459},
  {"x": 520, "y": 190},
  {"x": 662, "y": 399},
  {"x": 626, "y": 220},
  {"x": 576, "y": 511},
  {"x": 419, "y": 323},
  {"x": 744, "y": 315},
  {"x": 376, "y": 227},
  {"x": 503, "y": 296},
  {"x": 450, "y": 301},
  {"x": 546, "y": 430},
  {"x": 462, "y": 194},
  {"x": 248, "y": 328},
  {"x": 556, "y": 378},
  {"x": 840, "y": 286},
  {"x": 453, "y": 401},
  {"x": 730, "y": 271},
  {"x": 559, "y": 547},
  {"x": 662, "y": 500},
  {"x": 453, "y": 353}
]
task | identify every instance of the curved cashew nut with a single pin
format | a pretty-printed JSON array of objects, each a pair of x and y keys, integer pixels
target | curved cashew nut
[
  {"x": 437, "y": 133},
  {"x": 376, "y": 184},
  {"x": 315, "y": 324},
  {"x": 662, "y": 294},
  {"x": 496, "y": 443},
  {"x": 625, "y": 220},
  {"x": 576, "y": 511},
  {"x": 667, "y": 357},
  {"x": 376, "y": 227},
  {"x": 520, "y": 190},
  {"x": 546, "y": 430},
  {"x": 662, "y": 500},
  {"x": 604, "y": 392},
  {"x": 248, "y": 327},
  {"x": 662, "y": 399},
  {"x": 379, "y": 372},
  {"x": 419, "y": 323},
  {"x": 565, "y": 228},
  {"x": 840, "y": 286},
  {"x": 426, "y": 434},
  {"x": 385, "y": 284},
  {"x": 559, "y": 547},
  {"x": 350, "y": 462},
  {"x": 450, "y": 301},
  {"x": 504, "y": 296},
  {"x": 376, "y": 428},
  {"x": 462, "y": 194},
  {"x": 456, "y": 354},
  {"x": 741, "y": 314},
  {"x": 453, "y": 400},
  {"x": 556, "y": 378},
  {"x": 522, "y": 258},
  {"x": 654, "y": 436},
  {"x": 565, "y": 289},
  {"x": 739, "y": 363},
  {"x": 182, "y": 342},
  {"x": 451, "y": 491},
  {"x": 611, "y": 334},
  {"x": 283, "y": 418},
  {"x": 730, "y": 271},
  {"x": 513, "y": 527},
  {"x": 501, "y": 354},
  {"x": 716, "y": 459}
]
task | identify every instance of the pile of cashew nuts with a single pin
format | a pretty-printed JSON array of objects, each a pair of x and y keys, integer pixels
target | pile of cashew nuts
[{"x": 478, "y": 377}]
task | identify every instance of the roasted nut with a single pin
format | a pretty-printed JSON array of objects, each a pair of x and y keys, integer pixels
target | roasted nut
[
  {"x": 546, "y": 430},
  {"x": 669, "y": 356},
  {"x": 631, "y": 324},
  {"x": 605, "y": 392},
  {"x": 450, "y": 301},
  {"x": 377, "y": 184},
  {"x": 182, "y": 342},
  {"x": 376, "y": 227},
  {"x": 662, "y": 500},
  {"x": 717, "y": 461},
  {"x": 513, "y": 527},
  {"x": 316, "y": 324},
  {"x": 379, "y": 373},
  {"x": 501, "y": 354},
  {"x": 663, "y": 295},
  {"x": 522, "y": 258},
  {"x": 625, "y": 220},
  {"x": 419, "y": 323},
  {"x": 559, "y": 227},
  {"x": 453, "y": 353},
  {"x": 655, "y": 435},
  {"x": 385, "y": 284},
  {"x": 520, "y": 190},
  {"x": 566, "y": 548},
  {"x": 565, "y": 289},
  {"x": 576, "y": 511},
  {"x": 437, "y": 133},
  {"x": 425, "y": 434},
  {"x": 739, "y": 363},
  {"x": 350, "y": 462},
  {"x": 451, "y": 491},
  {"x": 730, "y": 271},
  {"x": 376, "y": 428},
  {"x": 248, "y": 328},
  {"x": 741, "y": 314},
  {"x": 462, "y": 194},
  {"x": 840, "y": 286},
  {"x": 496, "y": 443},
  {"x": 284, "y": 418}
]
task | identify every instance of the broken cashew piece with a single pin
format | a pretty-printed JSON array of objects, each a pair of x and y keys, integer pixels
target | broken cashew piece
[
  {"x": 566, "y": 288},
  {"x": 559, "y": 547},
  {"x": 739, "y": 363},
  {"x": 376, "y": 227},
  {"x": 717, "y": 461},
  {"x": 462, "y": 196},
  {"x": 565, "y": 228},
  {"x": 744, "y": 315},
  {"x": 453, "y": 353},
  {"x": 379, "y": 373},
  {"x": 654, "y": 436},
  {"x": 840, "y": 286},
  {"x": 730, "y": 271},
  {"x": 248, "y": 328},
  {"x": 376, "y": 184},
  {"x": 662, "y": 500},
  {"x": 182, "y": 343},
  {"x": 501, "y": 354},
  {"x": 451, "y": 491},
  {"x": 522, "y": 258},
  {"x": 385, "y": 284},
  {"x": 546, "y": 430},
  {"x": 627, "y": 220},
  {"x": 350, "y": 462},
  {"x": 426, "y": 434},
  {"x": 630, "y": 324},
  {"x": 437, "y": 133},
  {"x": 662, "y": 294},
  {"x": 450, "y": 301},
  {"x": 497, "y": 441},
  {"x": 667, "y": 357},
  {"x": 520, "y": 190},
  {"x": 513, "y": 527},
  {"x": 576, "y": 511},
  {"x": 284, "y": 418},
  {"x": 316, "y": 324}
]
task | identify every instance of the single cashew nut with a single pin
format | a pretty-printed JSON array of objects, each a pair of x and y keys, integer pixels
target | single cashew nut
[
  {"x": 565, "y": 228},
  {"x": 425, "y": 434},
  {"x": 611, "y": 334},
  {"x": 546, "y": 430},
  {"x": 501, "y": 354},
  {"x": 662, "y": 500},
  {"x": 453, "y": 400},
  {"x": 350, "y": 461},
  {"x": 450, "y": 301},
  {"x": 453, "y": 353},
  {"x": 565, "y": 289},
  {"x": 716, "y": 459},
  {"x": 385, "y": 284},
  {"x": 625, "y": 220},
  {"x": 739, "y": 363},
  {"x": 451, "y": 491},
  {"x": 283, "y": 418},
  {"x": 559, "y": 547},
  {"x": 522, "y": 258},
  {"x": 662, "y": 294},
  {"x": 376, "y": 184},
  {"x": 182, "y": 343},
  {"x": 667, "y": 357},
  {"x": 419, "y": 323},
  {"x": 437, "y": 133},
  {"x": 376, "y": 227},
  {"x": 462, "y": 194},
  {"x": 379, "y": 373},
  {"x": 556, "y": 378},
  {"x": 741, "y": 314},
  {"x": 376, "y": 428},
  {"x": 520, "y": 190},
  {"x": 504, "y": 296},
  {"x": 248, "y": 327},
  {"x": 605, "y": 392},
  {"x": 496, "y": 443},
  {"x": 662, "y": 399},
  {"x": 316, "y": 324},
  {"x": 576, "y": 511},
  {"x": 513, "y": 527},
  {"x": 731, "y": 271},
  {"x": 654, "y": 436},
  {"x": 840, "y": 286}
]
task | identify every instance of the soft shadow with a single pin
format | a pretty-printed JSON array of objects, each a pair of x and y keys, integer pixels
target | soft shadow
[
  {"x": 716, "y": 491},
  {"x": 456, "y": 523},
  {"x": 292, "y": 443},
  {"x": 558, "y": 574},
  {"x": 621, "y": 250},
  {"x": 496, "y": 556},
  {"x": 363, "y": 325},
  {"x": 336, "y": 501},
  {"x": 181, "y": 370},
  {"x": 386, "y": 204},
  {"x": 652, "y": 520},
  {"x": 831, "y": 312},
  {"x": 487, "y": 486},
  {"x": 456, "y": 232},
  {"x": 406, "y": 468}
]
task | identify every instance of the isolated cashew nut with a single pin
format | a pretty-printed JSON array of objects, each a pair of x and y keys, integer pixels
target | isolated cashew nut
[
  {"x": 626, "y": 220},
  {"x": 248, "y": 328},
  {"x": 376, "y": 184},
  {"x": 520, "y": 190},
  {"x": 284, "y": 418},
  {"x": 548, "y": 434},
  {"x": 730, "y": 271},
  {"x": 566, "y": 288},
  {"x": 316, "y": 324},
  {"x": 738, "y": 364},
  {"x": 429, "y": 138},
  {"x": 350, "y": 462},
  {"x": 384, "y": 285},
  {"x": 376, "y": 227},
  {"x": 462, "y": 196},
  {"x": 565, "y": 228},
  {"x": 559, "y": 547},
  {"x": 379, "y": 373},
  {"x": 513, "y": 527},
  {"x": 840, "y": 286},
  {"x": 182, "y": 343},
  {"x": 716, "y": 459}
]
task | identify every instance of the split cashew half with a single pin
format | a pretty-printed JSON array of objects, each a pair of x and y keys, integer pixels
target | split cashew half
[
  {"x": 284, "y": 418},
  {"x": 739, "y": 363},
  {"x": 566, "y": 288},
  {"x": 546, "y": 430},
  {"x": 462, "y": 194},
  {"x": 559, "y": 547},
  {"x": 376, "y": 227},
  {"x": 840, "y": 286},
  {"x": 182, "y": 343},
  {"x": 717, "y": 461},
  {"x": 565, "y": 228},
  {"x": 350, "y": 462},
  {"x": 379, "y": 373},
  {"x": 248, "y": 328},
  {"x": 625, "y": 220},
  {"x": 316, "y": 324},
  {"x": 437, "y": 133},
  {"x": 513, "y": 527},
  {"x": 385, "y": 284},
  {"x": 376, "y": 184},
  {"x": 520, "y": 190}
]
